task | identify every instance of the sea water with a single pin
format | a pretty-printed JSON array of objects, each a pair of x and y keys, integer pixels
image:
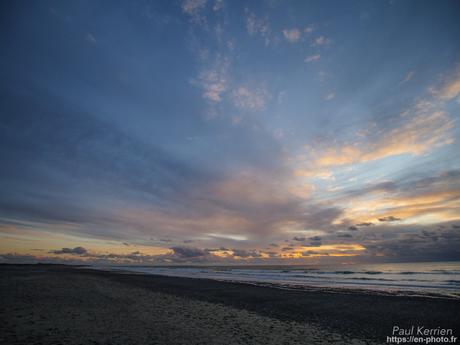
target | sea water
[{"x": 434, "y": 278}]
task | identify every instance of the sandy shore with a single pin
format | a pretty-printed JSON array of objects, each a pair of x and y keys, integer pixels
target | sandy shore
[{"x": 62, "y": 305}]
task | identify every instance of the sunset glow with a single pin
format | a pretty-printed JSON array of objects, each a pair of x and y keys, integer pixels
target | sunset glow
[{"x": 219, "y": 132}]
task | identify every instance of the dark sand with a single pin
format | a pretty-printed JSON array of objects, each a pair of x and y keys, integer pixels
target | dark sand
[{"x": 51, "y": 304}]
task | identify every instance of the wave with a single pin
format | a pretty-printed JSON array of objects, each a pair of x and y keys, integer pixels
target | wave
[
  {"x": 431, "y": 272},
  {"x": 346, "y": 272},
  {"x": 445, "y": 280}
]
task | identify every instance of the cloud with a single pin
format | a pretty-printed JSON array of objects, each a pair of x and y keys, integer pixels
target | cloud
[
  {"x": 195, "y": 8},
  {"x": 309, "y": 29},
  {"x": 188, "y": 252},
  {"x": 450, "y": 89},
  {"x": 352, "y": 228},
  {"x": 108, "y": 163},
  {"x": 345, "y": 235},
  {"x": 90, "y": 38},
  {"x": 72, "y": 251},
  {"x": 313, "y": 252},
  {"x": 233, "y": 237},
  {"x": 257, "y": 26},
  {"x": 389, "y": 219},
  {"x": 365, "y": 224},
  {"x": 425, "y": 200},
  {"x": 300, "y": 239},
  {"x": 407, "y": 78},
  {"x": 214, "y": 86},
  {"x": 426, "y": 130},
  {"x": 329, "y": 96},
  {"x": 251, "y": 99},
  {"x": 316, "y": 241},
  {"x": 257, "y": 206},
  {"x": 246, "y": 253},
  {"x": 317, "y": 174},
  {"x": 218, "y": 5},
  {"x": 418, "y": 245},
  {"x": 322, "y": 76},
  {"x": 321, "y": 41},
  {"x": 292, "y": 35},
  {"x": 420, "y": 129},
  {"x": 312, "y": 58},
  {"x": 191, "y": 6},
  {"x": 214, "y": 80},
  {"x": 17, "y": 258}
]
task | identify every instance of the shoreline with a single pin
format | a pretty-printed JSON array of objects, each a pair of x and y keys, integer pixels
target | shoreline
[
  {"x": 308, "y": 288},
  {"x": 368, "y": 317},
  {"x": 311, "y": 288}
]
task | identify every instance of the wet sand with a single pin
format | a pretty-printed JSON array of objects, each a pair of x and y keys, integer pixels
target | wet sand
[{"x": 51, "y": 304}]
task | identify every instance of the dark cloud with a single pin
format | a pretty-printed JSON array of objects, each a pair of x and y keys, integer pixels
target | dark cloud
[
  {"x": 299, "y": 239},
  {"x": 423, "y": 245},
  {"x": 352, "y": 228},
  {"x": 73, "y": 251},
  {"x": 397, "y": 242},
  {"x": 365, "y": 224},
  {"x": 316, "y": 241},
  {"x": 188, "y": 252},
  {"x": 273, "y": 245},
  {"x": 31, "y": 259},
  {"x": 313, "y": 252},
  {"x": 389, "y": 219},
  {"x": 345, "y": 235},
  {"x": 246, "y": 253}
]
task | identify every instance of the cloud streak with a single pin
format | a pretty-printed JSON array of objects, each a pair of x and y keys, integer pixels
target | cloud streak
[{"x": 427, "y": 129}]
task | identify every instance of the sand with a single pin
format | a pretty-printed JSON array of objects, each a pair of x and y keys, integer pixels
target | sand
[{"x": 50, "y": 305}]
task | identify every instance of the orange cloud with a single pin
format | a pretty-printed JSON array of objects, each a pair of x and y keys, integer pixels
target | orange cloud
[
  {"x": 335, "y": 250},
  {"x": 430, "y": 207},
  {"x": 419, "y": 130},
  {"x": 450, "y": 89},
  {"x": 421, "y": 134}
]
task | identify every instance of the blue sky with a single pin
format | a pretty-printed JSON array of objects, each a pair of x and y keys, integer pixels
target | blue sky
[{"x": 223, "y": 131}]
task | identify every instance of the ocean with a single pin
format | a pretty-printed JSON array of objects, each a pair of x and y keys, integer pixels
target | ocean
[{"x": 433, "y": 278}]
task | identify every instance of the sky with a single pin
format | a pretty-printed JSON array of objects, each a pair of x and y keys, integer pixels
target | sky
[{"x": 229, "y": 132}]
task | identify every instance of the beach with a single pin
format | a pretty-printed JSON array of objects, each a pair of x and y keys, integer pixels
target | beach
[{"x": 57, "y": 304}]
